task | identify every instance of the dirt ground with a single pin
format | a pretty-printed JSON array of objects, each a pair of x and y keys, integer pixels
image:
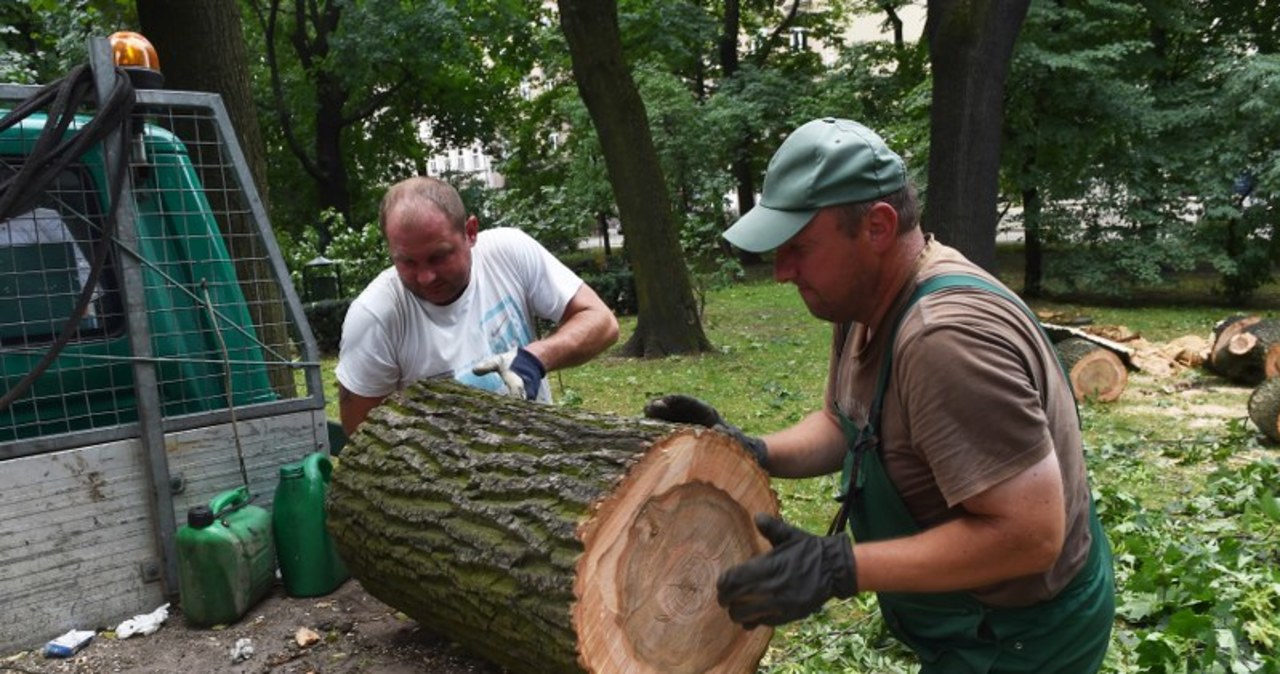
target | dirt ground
[{"x": 357, "y": 633}]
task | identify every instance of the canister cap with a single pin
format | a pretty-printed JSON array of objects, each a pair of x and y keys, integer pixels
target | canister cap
[{"x": 200, "y": 517}]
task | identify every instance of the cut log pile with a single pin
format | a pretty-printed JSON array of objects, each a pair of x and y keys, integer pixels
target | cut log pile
[
  {"x": 1246, "y": 349},
  {"x": 549, "y": 540}
]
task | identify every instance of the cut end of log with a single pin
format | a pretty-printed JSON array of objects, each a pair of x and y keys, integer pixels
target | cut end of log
[
  {"x": 646, "y": 585},
  {"x": 1095, "y": 373}
]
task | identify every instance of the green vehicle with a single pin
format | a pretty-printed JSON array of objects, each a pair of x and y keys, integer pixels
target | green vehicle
[
  {"x": 153, "y": 351},
  {"x": 44, "y": 261}
]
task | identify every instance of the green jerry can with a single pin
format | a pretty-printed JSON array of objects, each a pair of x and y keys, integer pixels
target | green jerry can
[
  {"x": 309, "y": 562},
  {"x": 226, "y": 559}
]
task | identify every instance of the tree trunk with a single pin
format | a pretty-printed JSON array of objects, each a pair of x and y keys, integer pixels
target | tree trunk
[
  {"x": 213, "y": 59},
  {"x": 1264, "y": 408},
  {"x": 1033, "y": 251},
  {"x": 667, "y": 321},
  {"x": 1246, "y": 350},
  {"x": 741, "y": 169},
  {"x": 551, "y": 540},
  {"x": 1095, "y": 372},
  {"x": 970, "y": 45}
]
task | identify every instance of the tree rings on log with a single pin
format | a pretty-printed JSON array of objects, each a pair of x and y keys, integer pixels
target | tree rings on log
[
  {"x": 1264, "y": 408},
  {"x": 550, "y": 540},
  {"x": 1096, "y": 373},
  {"x": 646, "y": 584}
]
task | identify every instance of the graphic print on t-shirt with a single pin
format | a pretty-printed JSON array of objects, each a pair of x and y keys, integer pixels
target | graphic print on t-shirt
[{"x": 504, "y": 328}]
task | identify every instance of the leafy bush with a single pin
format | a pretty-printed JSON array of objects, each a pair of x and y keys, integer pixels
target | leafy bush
[
  {"x": 360, "y": 254},
  {"x": 326, "y": 318},
  {"x": 611, "y": 277}
]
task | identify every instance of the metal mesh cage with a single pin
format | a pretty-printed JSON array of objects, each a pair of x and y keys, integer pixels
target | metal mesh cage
[{"x": 222, "y": 325}]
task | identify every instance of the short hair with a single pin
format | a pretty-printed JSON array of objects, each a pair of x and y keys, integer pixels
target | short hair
[
  {"x": 905, "y": 201},
  {"x": 420, "y": 191}
]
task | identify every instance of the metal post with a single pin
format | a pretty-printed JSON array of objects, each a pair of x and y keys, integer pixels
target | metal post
[{"x": 146, "y": 388}]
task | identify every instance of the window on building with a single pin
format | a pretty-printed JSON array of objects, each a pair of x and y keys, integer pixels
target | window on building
[{"x": 799, "y": 40}]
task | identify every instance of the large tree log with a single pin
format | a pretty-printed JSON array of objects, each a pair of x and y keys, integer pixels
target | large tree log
[
  {"x": 1061, "y": 333},
  {"x": 1224, "y": 329},
  {"x": 1264, "y": 408},
  {"x": 550, "y": 540},
  {"x": 1096, "y": 373},
  {"x": 1247, "y": 350}
]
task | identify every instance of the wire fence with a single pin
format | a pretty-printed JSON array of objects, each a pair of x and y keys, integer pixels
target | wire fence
[{"x": 224, "y": 327}]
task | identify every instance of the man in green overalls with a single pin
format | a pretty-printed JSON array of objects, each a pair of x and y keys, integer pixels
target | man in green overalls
[{"x": 964, "y": 479}]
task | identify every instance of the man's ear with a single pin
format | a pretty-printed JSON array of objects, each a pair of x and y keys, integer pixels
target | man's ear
[
  {"x": 881, "y": 225},
  {"x": 473, "y": 228}
]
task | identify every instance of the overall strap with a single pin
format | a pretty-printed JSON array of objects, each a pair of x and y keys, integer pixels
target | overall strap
[
  {"x": 867, "y": 438},
  {"x": 943, "y": 282}
]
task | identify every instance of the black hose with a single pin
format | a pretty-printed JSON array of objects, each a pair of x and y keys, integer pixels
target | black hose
[{"x": 52, "y": 153}]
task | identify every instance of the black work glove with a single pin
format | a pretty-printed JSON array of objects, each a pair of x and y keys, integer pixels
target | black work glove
[
  {"x": 683, "y": 409},
  {"x": 792, "y": 580}
]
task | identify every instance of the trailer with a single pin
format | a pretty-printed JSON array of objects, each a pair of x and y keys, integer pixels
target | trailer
[{"x": 153, "y": 351}]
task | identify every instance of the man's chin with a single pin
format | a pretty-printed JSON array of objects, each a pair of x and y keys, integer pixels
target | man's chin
[{"x": 440, "y": 298}]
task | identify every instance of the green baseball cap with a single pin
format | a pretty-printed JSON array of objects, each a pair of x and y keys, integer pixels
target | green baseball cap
[{"x": 826, "y": 162}]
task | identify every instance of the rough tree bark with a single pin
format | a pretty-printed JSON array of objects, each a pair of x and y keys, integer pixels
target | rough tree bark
[
  {"x": 970, "y": 45},
  {"x": 550, "y": 540},
  {"x": 1264, "y": 408}
]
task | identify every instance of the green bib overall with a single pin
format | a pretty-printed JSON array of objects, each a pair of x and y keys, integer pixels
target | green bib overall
[{"x": 953, "y": 632}]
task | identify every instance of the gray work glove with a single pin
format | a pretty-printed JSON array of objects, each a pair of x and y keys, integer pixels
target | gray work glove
[
  {"x": 792, "y": 580},
  {"x": 683, "y": 409},
  {"x": 520, "y": 370}
]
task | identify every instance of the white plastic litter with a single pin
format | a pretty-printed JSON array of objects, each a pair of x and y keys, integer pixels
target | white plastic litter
[
  {"x": 144, "y": 624},
  {"x": 243, "y": 650},
  {"x": 68, "y": 644}
]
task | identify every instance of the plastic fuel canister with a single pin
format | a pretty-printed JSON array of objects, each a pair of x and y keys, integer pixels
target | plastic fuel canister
[
  {"x": 309, "y": 562},
  {"x": 226, "y": 559}
]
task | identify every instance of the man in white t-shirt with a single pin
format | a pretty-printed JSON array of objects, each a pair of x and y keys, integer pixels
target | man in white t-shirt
[{"x": 461, "y": 303}]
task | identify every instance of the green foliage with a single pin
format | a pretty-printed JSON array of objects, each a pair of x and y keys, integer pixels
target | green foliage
[
  {"x": 361, "y": 254},
  {"x": 557, "y": 189},
  {"x": 325, "y": 318},
  {"x": 1131, "y": 122},
  {"x": 612, "y": 279},
  {"x": 358, "y": 82},
  {"x": 40, "y": 40},
  {"x": 1199, "y": 590}
]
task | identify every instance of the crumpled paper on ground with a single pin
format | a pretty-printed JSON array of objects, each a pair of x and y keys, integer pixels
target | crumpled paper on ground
[{"x": 144, "y": 624}]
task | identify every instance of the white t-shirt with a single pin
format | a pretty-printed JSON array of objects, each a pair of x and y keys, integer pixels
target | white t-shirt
[{"x": 391, "y": 338}]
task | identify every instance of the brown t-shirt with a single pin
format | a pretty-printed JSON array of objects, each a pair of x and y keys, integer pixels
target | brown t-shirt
[{"x": 975, "y": 397}]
